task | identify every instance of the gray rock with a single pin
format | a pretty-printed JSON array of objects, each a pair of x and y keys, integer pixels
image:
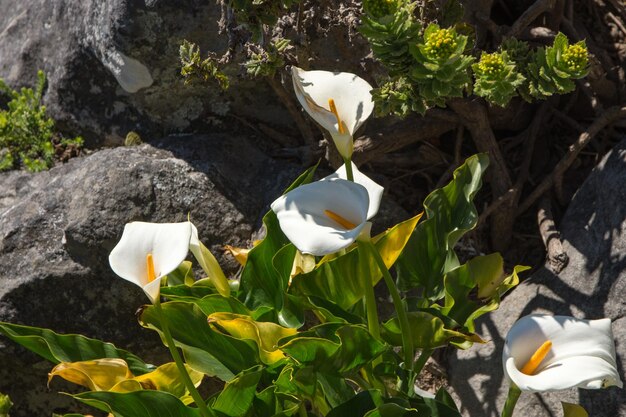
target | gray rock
[
  {"x": 593, "y": 285},
  {"x": 113, "y": 66},
  {"x": 58, "y": 227}
]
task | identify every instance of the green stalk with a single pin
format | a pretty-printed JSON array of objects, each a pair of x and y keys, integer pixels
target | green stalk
[
  {"x": 197, "y": 398},
  {"x": 348, "y": 163},
  {"x": 403, "y": 319},
  {"x": 511, "y": 400},
  {"x": 302, "y": 410}
]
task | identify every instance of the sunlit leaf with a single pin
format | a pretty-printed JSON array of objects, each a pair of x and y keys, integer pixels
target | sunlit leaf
[
  {"x": 450, "y": 213},
  {"x": 333, "y": 348},
  {"x": 428, "y": 331},
  {"x": 238, "y": 394},
  {"x": 264, "y": 334},
  {"x": 96, "y": 375},
  {"x": 460, "y": 283},
  {"x": 573, "y": 410},
  {"x": 58, "y": 348},
  {"x": 212, "y": 268},
  {"x": 205, "y": 350},
  {"x": 338, "y": 278}
]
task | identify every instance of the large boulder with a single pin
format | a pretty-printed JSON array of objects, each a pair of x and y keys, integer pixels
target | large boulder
[
  {"x": 57, "y": 228},
  {"x": 593, "y": 285},
  {"x": 113, "y": 66}
]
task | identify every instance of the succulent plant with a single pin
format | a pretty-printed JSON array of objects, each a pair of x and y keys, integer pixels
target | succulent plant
[
  {"x": 496, "y": 78},
  {"x": 399, "y": 97},
  {"x": 380, "y": 8},
  {"x": 390, "y": 35},
  {"x": 440, "y": 66},
  {"x": 552, "y": 70}
]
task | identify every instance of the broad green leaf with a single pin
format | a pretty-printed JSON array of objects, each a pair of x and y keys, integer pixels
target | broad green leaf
[
  {"x": 302, "y": 382},
  {"x": 428, "y": 331},
  {"x": 146, "y": 403},
  {"x": 333, "y": 348},
  {"x": 185, "y": 292},
  {"x": 238, "y": 394},
  {"x": 358, "y": 405},
  {"x": 181, "y": 275},
  {"x": 205, "y": 350},
  {"x": 270, "y": 403},
  {"x": 450, "y": 213},
  {"x": 573, "y": 410},
  {"x": 264, "y": 334},
  {"x": 394, "y": 410},
  {"x": 338, "y": 278},
  {"x": 261, "y": 283},
  {"x": 58, "y": 348},
  {"x": 484, "y": 272}
]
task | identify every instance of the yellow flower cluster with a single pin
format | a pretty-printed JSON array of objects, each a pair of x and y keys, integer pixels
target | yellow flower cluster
[
  {"x": 441, "y": 43},
  {"x": 576, "y": 57},
  {"x": 491, "y": 64},
  {"x": 379, "y": 8}
]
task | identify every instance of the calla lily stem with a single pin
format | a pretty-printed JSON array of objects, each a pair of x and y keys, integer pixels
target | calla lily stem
[
  {"x": 407, "y": 339},
  {"x": 197, "y": 398},
  {"x": 348, "y": 164},
  {"x": 511, "y": 400}
]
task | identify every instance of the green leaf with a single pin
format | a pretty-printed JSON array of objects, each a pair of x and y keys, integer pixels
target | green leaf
[
  {"x": 181, "y": 275},
  {"x": 450, "y": 213},
  {"x": 261, "y": 284},
  {"x": 58, "y": 348},
  {"x": 484, "y": 272},
  {"x": 333, "y": 348},
  {"x": 573, "y": 410},
  {"x": 394, "y": 410},
  {"x": 264, "y": 334},
  {"x": 238, "y": 394},
  {"x": 358, "y": 405},
  {"x": 428, "y": 331},
  {"x": 146, "y": 403},
  {"x": 339, "y": 278},
  {"x": 205, "y": 350}
]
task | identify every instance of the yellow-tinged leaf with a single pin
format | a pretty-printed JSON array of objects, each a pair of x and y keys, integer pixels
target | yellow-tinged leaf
[
  {"x": 212, "y": 268},
  {"x": 488, "y": 273},
  {"x": 97, "y": 374},
  {"x": 302, "y": 263},
  {"x": 265, "y": 334},
  {"x": 240, "y": 254},
  {"x": 395, "y": 239},
  {"x": 573, "y": 410},
  {"x": 164, "y": 378}
]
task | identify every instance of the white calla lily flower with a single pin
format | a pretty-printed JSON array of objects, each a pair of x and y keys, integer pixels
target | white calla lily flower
[
  {"x": 149, "y": 251},
  {"x": 323, "y": 217},
  {"x": 339, "y": 101},
  {"x": 573, "y": 353},
  {"x": 374, "y": 191}
]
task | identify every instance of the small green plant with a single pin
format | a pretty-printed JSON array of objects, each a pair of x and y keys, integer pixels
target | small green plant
[
  {"x": 265, "y": 62},
  {"x": 496, "y": 78},
  {"x": 552, "y": 70},
  {"x": 27, "y": 135},
  {"x": 196, "y": 68}
]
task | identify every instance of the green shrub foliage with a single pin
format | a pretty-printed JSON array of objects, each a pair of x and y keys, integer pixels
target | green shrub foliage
[{"x": 27, "y": 134}]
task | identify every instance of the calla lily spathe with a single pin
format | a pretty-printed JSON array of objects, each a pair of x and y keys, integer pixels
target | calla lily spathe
[
  {"x": 166, "y": 243},
  {"x": 351, "y": 97},
  {"x": 328, "y": 215},
  {"x": 582, "y": 353}
]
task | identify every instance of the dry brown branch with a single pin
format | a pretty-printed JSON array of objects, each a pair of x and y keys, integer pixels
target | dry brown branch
[
  {"x": 556, "y": 256},
  {"x": 533, "y": 12},
  {"x": 402, "y": 134},
  {"x": 606, "y": 118}
]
